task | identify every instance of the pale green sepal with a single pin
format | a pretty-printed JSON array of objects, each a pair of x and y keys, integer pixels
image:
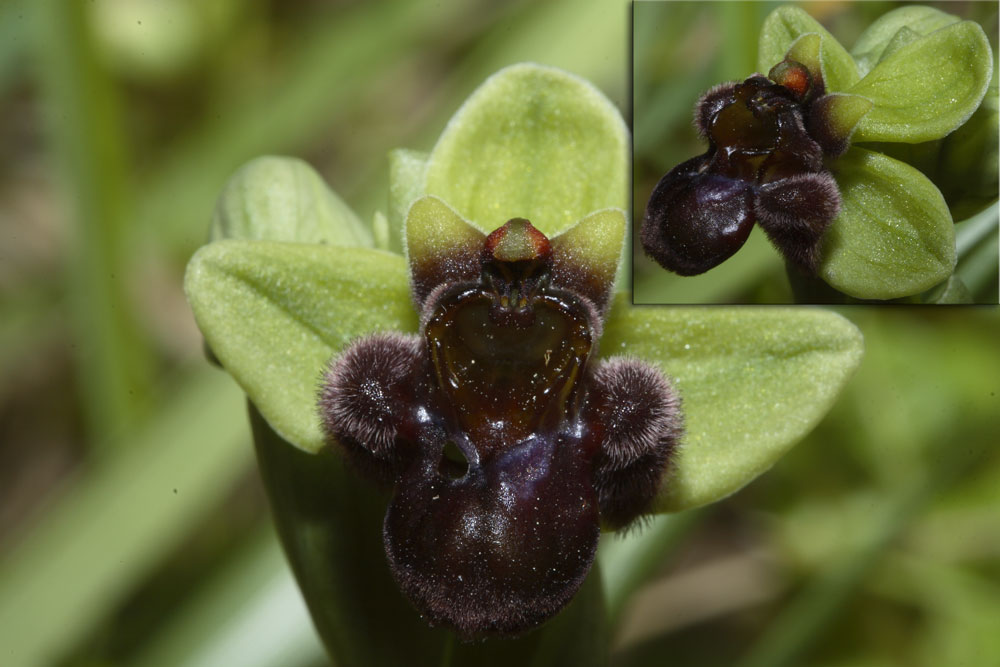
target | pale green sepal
[
  {"x": 407, "y": 171},
  {"x": 284, "y": 199},
  {"x": 532, "y": 142},
  {"x": 929, "y": 87},
  {"x": 873, "y": 42},
  {"x": 784, "y": 26},
  {"x": 275, "y": 313},
  {"x": 894, "y": 235},
  {"x": 753, "y": 381}
]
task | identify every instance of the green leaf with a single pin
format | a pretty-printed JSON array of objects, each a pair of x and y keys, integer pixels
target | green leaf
[
  {"x": 784, "y": 26},
  {"x": 882, "y": 34},
  {"x": 284, "y": 199},
  {"x": 532, "y": 142},
  {"x": 275, "y": 313},
  {"x": 894, "y": 235},
  {"x": 926, "y": 89},
  {"x": 753, "y": 381}
]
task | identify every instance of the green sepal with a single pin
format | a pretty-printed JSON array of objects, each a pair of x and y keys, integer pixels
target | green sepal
[
  {"x": 927, "y": 88},
  {"x": 753, "y": 381},
  {"x": 407, "y": 171},
  {"x": 532, "y": 142},
  {"x": 284, "y": 199},
  {"x": 275, "y": 314},
  {"x": 784, "y": 26},
  {"x": 894, "y": 236},
  {"x": 882, "y": 35}
]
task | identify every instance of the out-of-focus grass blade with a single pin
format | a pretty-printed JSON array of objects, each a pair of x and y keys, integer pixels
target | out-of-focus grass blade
[
  {"x": 104, "y": 533},
  {"x": 251, "y": 615},
  {"x": 335, "y": 63},
  {"x": 340, "y": 62},
  {"x": 925, "y": 440},
  {"x": 14, "y": 42},
  {"x": 84, "y": 134},
  {"x": 977, "y": 250},
  {"x": 629, "y": 561}
]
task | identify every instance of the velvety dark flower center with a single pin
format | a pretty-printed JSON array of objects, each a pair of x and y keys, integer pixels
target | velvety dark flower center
[{"x": 506, "y": 445}]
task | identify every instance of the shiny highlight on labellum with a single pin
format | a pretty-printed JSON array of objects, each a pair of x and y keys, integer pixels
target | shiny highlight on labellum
[
  {"x": 505, "y": 442},
  {"x": 768, "y": 137}
]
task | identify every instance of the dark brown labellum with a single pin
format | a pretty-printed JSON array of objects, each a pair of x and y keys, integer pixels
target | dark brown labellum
[
  {"x": 505, "y": 443},
  {"x": 764, "y": 164}
]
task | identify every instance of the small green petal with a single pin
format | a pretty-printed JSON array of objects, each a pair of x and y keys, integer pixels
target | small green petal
[
  {"x": 880, "y": 35},
  {"x": 833, "y": 119},
  {"x": 894, "y": 235},
  {"x": 586, "y": 256},
  {"x": 275, "y": 313},
  {"x": 753, "y": 381},
  {"x": 532, "y": 142},
  {"x": 441, "y": 246},
  {"x": 784, "y": 26},
  {"x": 929, "y": 87},
  {"x": 284, "y": 199},
  {"x": 407, "y": 171}
]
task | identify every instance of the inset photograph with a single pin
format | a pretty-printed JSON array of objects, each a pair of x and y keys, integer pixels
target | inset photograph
[{"x": 815, "y": 153}]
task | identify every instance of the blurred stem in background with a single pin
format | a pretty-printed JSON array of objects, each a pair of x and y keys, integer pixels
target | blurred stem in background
[{"x": 86, "y": 143}]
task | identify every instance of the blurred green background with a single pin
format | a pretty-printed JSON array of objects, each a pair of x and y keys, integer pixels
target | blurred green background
[
  {"x": 133, "y": 527},
  {"x": 681, "y": 49}
]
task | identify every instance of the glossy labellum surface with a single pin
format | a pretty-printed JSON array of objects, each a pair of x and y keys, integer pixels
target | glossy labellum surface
[
  {"x": 505, "y": 444},
  {"x": 767, "y": 138}
]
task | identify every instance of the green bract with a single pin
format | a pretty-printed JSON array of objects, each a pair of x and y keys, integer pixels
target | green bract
[
  {"x": 924, "y": 73},
  {"x": 532, "y": 142}
]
